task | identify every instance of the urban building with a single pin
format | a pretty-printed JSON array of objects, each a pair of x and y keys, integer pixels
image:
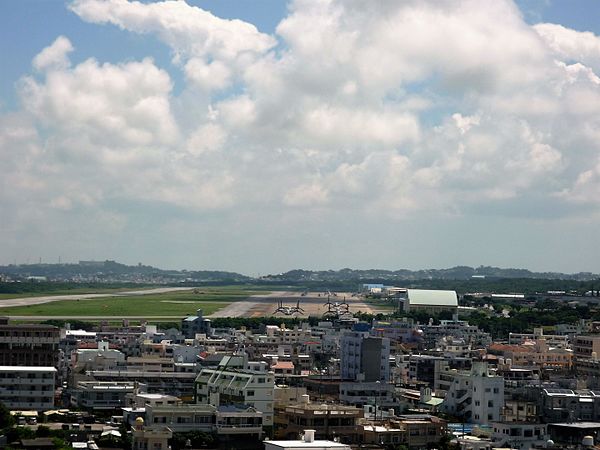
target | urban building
[
  {"x": 178, "y": 384},
  {"x": 227, "y": 421},
  {"x": 561, "y": 405},
  {"x": 364, "y": 357},
  {"x": 150, "y": 438},
  {"x": 430, "y": 300},
  {"x": 27, "y": 387},
  {"x": 307, "y": 442},
  {"x": 330, "y": 421},
  {"x": 519, "y": 435},
  {"x": 476, "y": 395},
  {"x": 586, "y": 347},
  {"x": 238, "y": 382},
  {"x": 193, "y": 325},
  {"x": 376, "y": 393},
  {"x": 28, "y": 344},
  {"x": 103, "y": 395},
  {"x": 415, "y": 432}
]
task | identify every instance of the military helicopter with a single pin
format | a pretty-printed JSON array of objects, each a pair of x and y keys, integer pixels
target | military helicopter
[{"x": 288, "y": 310}]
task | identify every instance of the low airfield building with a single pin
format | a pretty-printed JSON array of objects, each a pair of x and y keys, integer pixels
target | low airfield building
[{"x": 430, "y": 300}]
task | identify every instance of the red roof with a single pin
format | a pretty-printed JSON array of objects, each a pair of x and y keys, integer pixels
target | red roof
[{"x": 283, "y": 365}]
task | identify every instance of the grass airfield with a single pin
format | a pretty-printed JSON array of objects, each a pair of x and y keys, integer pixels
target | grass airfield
[
  {"x": 225, "y": 301},
  {"x": 179, "y": 303}
]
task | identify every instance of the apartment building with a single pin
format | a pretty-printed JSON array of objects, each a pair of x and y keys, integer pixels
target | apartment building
[
  {"x": 238, "y": 382},
  {"x": 455, "y": 328},
  {"x": 364, "y": 357},
  {"x": 363, "y": 393},
  {"x": 398, "y": 331},
  {"x": 150, "y": 438},
  {"x": 179, "y": 384},
  {"x": 192, "y": 325},
  {"x": 226, "y": 421},
  {"x": 28, "y": 344},
  {"x": 477, "y": 395},
  {"x": 537, "y": 353},
  {"x": 100, "y": 358},
  {"x": 99, "y": 395},
  {"x": 558, "y": 405},
  {"x": 519, "y": 435},
  {"x": 586, "y": 347},
  {"x": 414, "y": 432},
  {"x": 554, "y": 340},
  {"x": 329, "y": 421},
  {"x": 27, "y": 387}
]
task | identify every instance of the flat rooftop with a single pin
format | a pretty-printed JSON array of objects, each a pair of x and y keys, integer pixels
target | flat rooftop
[
  {"x": 580, "y": 425},
  {"x": 27, "y": 369},
  {"x": 304, "y": 444}
]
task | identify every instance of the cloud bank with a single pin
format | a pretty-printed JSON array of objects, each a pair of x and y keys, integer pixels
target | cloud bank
[{"x": 379, "y": 109}]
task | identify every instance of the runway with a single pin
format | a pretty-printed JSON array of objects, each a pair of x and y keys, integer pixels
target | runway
[
  {"x": 263, "y": 305},
  {"x": 26, "y": 301}
]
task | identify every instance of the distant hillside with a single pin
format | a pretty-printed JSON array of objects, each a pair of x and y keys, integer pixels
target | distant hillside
[
  {"x": 114, "y": 272},
  {"x": 453, "y": 273},
  {"x": 111, "y": 271}
]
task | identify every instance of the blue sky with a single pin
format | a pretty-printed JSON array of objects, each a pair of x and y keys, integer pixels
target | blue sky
[{"x": 264, "y": 136}]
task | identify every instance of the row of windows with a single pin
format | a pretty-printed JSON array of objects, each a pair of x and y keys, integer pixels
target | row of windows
[
  {"x": 30, "y": 376},
  {"x": 490, "y": 403},
  {"x": 15, "y": 333}
]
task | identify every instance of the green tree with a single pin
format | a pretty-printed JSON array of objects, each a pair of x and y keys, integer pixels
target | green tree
[{"x": 6, "y": 418}]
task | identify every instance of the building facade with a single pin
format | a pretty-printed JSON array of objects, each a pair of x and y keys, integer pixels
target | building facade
[
  {"x": 28, "y": 345},
  {"x": 364, "y": 357},
  {"x": 27, "y": 387}
]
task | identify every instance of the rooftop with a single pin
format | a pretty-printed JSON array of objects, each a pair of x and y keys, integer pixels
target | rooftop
[
  {"x": 27, "y": 369},
  {"x": 303, "y": 444},
  {"x": 432, "y": 297}
]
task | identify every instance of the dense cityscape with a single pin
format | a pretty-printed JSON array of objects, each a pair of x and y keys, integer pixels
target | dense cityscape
[{"x": 380, "y": 366}]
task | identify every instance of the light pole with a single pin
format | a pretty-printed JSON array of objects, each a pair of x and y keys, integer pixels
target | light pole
[{"x": 377, "y": 383}]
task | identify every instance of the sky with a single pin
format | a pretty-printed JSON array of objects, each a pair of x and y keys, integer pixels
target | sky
[{"x": 264, "y": 136}]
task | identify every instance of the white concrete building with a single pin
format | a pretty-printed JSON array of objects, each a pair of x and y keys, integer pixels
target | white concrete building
[
  {"x": 150, "y": 438},
  {"x": 373, "y": 393},
  {"x": 519, "y": 435},
  {"x": 430, "y": 300},
  {"x": 101, "y": 358},
  {"x": 26, "y": 387},
  {"x": 477, "y": 395},
  {"x": 238, "y": 382},
  {"x": 308, "y": 442},
  {"x": 103, "y": 395}
]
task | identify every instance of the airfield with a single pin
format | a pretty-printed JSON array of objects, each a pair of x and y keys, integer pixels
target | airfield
[
  {"x": 312, "y": 304},
  {"x": 171, "y": 304}
]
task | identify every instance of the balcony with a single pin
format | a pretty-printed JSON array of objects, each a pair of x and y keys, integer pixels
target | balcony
[{"x": 223, "y": 429}]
